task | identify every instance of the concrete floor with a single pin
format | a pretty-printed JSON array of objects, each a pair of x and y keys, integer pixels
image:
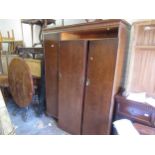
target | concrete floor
[{"x": 34, "y": 125}]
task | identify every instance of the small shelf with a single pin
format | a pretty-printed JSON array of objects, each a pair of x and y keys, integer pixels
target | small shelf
[
  {"x": 145, "y": 46},
  {"x": 10, "y": 41},
  {"x": 90, "y": 35}
]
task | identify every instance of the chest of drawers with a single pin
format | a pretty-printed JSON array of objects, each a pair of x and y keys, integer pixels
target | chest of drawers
[{"x": 135, "y": 111}]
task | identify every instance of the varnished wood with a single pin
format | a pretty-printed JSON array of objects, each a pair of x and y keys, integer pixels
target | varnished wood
[
  {"x": 104, "y": 24},
  {"x": 141, "y": 114},
  {"x": 20, "y": 82},
  {"x": 138, "y": 112},
  {"x": 93, "y": 32},
  {"x": 35, "y": 67},
  {"x": 144, "y": 130},
  {"x": 101, "y": 68},
  {"x": 121, "y": 68},
  {"x": 4, "y": 81},
  {"x": 121, "y": 59},
  {"x": 51, "y": 73},
  {"x": 72, "y": 66}
]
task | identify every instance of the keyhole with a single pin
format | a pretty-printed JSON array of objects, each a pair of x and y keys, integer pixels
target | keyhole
[
  {"x": 91, "y": 58},
  {"x": 52, "y": 45}
]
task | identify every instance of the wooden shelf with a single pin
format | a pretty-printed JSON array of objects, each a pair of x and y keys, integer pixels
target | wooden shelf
[
  {"x": 10, "y": 41},
  {"x": 145, "y": 46}
]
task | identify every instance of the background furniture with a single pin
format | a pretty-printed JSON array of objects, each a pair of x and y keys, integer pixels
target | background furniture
[
  {"x": 142, "y": 64},
  {"x": 40, "y": 22},
  {"x": 10, "y": 40},
  {"x": 144, "y": 130},
  {"x": 137, "y": 112},
  {"x": 25, "y": 84},
  {"x": 84, "y": 70},
  {"x": 5, "y": 56},
  {"x": 20, "y": 82}
]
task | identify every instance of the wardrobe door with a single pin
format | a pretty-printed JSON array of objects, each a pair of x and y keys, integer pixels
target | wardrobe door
[
  {"x": 51, "y": 46},
  {"x": 72, "y": 65},
  {"x": 99, "y": 85}
]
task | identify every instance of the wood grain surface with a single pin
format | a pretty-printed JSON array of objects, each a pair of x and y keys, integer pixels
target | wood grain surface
[
  {"x": 51, "y": 49},
  {"x": 20, "y": 82},
  {"x": 100, "y": 76},
  {"x": 72, "y": 67}
]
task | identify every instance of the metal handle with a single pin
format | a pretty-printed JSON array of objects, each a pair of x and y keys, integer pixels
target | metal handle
[
  {"x": 60, "y": 75},
  {"x": 91, "y": 58},
  {"x": 52, "y": 45},
  {"x": 147, "y": 115},
  {"x": 87, "y": 82}
]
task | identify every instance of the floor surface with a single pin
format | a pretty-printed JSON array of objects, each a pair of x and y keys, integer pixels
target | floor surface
[{"x": 34, "y": 125}]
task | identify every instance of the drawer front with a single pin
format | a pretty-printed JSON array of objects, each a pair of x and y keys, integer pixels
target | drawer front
[{"x": 135, "y": 114}]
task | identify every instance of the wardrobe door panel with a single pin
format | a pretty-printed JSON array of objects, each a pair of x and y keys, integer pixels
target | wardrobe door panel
[
  {"x": 72, "y": 65},
  {"x": 100, "y": 76},
  {"x": 51, "y": 47}
]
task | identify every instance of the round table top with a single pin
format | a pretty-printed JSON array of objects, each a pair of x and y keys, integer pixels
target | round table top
[{"x": 20, "y": 82}]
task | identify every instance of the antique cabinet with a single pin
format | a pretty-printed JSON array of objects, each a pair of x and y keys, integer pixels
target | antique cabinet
[
  {"x": 84, "y": 70},
  {"x": 137, "y": 112}
]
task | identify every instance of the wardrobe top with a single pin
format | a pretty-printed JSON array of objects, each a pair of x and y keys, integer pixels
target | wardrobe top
[{"x": 88, "y": 26}]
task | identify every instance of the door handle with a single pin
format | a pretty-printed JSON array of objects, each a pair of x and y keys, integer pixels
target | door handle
[
  {"x": 60, "y": 75},
  {"x": 52, "y": 45},
  {"x": 87, "y": 82}
]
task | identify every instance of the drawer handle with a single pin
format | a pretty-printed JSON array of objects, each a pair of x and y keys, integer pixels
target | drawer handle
[
  {"x": 135, "y": 113},
  {"x": 147, "y": 115}
]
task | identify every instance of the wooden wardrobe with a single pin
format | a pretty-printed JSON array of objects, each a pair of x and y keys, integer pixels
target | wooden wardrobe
[{"x": 84, "y": 70}]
